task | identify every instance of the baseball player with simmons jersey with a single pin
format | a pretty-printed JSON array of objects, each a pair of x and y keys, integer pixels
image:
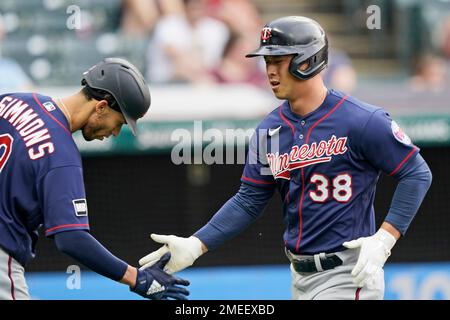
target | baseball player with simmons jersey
[
  {"x": 323, "y": 151},
  {"x": 41, "y": 177}
]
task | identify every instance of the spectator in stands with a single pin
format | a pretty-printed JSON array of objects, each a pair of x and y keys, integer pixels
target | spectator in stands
[
  {"x": 241, "y": 16},
  {"x": 340, "y": 74},
  {"x": 13, "y": 78},
  {"x": 235, "y": 68},
  {"x": 184, "y": 47},
  {"x": 139, "y": 17},
  {"x": 429, "y": 74},
  {"x": 442, "y": 37}
]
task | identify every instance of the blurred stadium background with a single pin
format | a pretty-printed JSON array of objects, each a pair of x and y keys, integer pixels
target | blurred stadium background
[{"x": 199, "y": 73}]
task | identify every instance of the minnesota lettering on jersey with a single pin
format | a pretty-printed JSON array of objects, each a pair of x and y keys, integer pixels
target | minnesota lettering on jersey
[
  {"x": 305, "y": 155},
  {"x": 29, "y": 125}
]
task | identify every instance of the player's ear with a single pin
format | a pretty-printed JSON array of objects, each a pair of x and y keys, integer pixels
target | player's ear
[{"x": 101, "y": 106}]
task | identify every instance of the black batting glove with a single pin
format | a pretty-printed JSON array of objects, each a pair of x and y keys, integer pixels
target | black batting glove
[{"x": 153, "y": 283}]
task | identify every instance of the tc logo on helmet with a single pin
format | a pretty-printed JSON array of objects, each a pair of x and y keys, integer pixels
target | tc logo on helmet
[{"x": 266, "y": 33}]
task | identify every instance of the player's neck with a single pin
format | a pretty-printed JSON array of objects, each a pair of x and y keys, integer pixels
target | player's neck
[
  {"x": 75, "y": 110},
  {"x": 308, "y": 100}
]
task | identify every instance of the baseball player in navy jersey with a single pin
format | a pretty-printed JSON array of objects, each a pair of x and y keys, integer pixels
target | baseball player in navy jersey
[
  {"x": 323, "y": 151},
  {"x": 41, "y": 177}
]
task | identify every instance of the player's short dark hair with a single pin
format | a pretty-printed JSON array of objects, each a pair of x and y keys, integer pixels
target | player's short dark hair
[
  {"x": 97, "y": 94},
  {"x": 86, "y": 94}
]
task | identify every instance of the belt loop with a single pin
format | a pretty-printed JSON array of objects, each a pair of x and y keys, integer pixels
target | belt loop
[{"x": 317, "y": 262}]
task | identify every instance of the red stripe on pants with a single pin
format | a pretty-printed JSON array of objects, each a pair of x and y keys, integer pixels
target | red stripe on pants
[
  {"x": 10, "y": 277},
  {"x": 357, "y": 293}
]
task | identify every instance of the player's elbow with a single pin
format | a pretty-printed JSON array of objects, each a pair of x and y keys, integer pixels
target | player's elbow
[{"x": 427, "y": 176}]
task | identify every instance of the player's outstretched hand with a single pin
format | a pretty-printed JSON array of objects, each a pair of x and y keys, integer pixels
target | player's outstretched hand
[
  {"x": 154, "y": 283},
  {"x": 184, "y": 252},
  {"x": 374, "y": 251}
]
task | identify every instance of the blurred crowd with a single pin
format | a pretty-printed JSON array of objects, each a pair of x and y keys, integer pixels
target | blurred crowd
[
  {"x": 189, "y": 41},
  {"x": 12, "y": 78},
  {"x": 196, "y": 41},
  {"x": 431, "y": 70},
  {"x": 205, "y": 41}
]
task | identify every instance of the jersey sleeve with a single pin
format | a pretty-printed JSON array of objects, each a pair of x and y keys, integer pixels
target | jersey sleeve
[
  {"x": 385, "y": 145},
  {"x": 63, "y": 200},
  {"x": 257, "y": 171}
]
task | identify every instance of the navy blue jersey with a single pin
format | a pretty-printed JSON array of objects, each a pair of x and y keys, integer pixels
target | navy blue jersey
[
  {"x": 325, "y": 166},
  {"x": 41, "y": 177}
]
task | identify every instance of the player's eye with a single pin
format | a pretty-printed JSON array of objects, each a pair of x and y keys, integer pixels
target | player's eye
[
  {"x": 269, "y": 62},
  {"x": 276, "y": 62}
]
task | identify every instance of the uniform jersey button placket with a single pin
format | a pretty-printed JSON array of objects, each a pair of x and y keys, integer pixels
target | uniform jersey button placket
[{"x": 302, "y": 124}]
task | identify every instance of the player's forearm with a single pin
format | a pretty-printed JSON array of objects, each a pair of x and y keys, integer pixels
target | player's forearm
[
  {"x": 81, "y": 246},
  {"x": 234, "y": 216},
  {"x": 411, "y": 189}
]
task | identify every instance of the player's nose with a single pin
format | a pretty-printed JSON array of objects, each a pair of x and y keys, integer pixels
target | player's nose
[{"x": 271, "y": 70}]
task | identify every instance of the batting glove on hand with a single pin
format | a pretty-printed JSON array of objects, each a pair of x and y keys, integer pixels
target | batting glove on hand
[
  {"x": 154, "y": 283},
  {"x": 373, "y": 254},
  {"x": 184, "y": 252}
]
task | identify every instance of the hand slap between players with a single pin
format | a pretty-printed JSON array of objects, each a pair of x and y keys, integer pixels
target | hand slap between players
[
  {"x": 184, "y": 252},
  {"x": 373, "y": 254},
  {"x": 154, "y": 283}
]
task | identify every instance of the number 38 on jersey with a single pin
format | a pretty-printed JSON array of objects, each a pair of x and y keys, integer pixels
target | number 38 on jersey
[{"x": 338, "y": 188}]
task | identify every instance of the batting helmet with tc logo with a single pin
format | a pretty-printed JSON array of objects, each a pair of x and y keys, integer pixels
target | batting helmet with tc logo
[{"x": 300, "y": 36}]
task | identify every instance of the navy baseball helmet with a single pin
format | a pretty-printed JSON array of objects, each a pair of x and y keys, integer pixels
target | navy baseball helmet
[
  {"x": 124, "y": 83},
  {"x": 299, "y": 36}
]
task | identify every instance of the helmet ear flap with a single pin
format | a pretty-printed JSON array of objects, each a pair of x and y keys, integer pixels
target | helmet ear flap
[
  {"x": 317, "y": 63},
  {"x": 296, "y": 62}
]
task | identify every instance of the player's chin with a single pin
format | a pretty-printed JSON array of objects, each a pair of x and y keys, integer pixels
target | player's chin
[
  {"x": 87, "y": 136},
  {"x": 279, "y": 95}
]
